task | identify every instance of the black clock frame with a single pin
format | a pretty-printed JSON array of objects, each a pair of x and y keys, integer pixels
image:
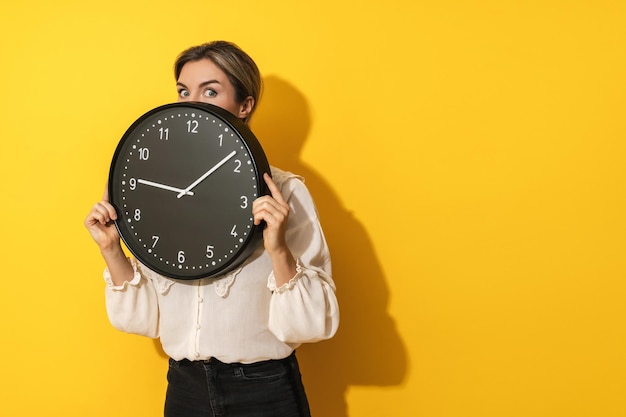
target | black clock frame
[{"x": 260, "y": 165}]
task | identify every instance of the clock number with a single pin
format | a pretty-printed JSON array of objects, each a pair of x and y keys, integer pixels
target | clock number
[
  {"x": 209, "y": 251},
  {"x": 244, "y": 202},
  {"x": 155, "y": 239},
  {"x": 137, "y": 215},
  {"x": 181, "y": 257},
  {"x": 144, "y": 154},
  {"x": 238, "y": 163},
  {"x": 234, "y": 232},
  {"x": 164, "y": 133},
  {"x": 221, "y": 136},
  {"x": 192, "y": 126},
  {"x": 133, "y": 183}
]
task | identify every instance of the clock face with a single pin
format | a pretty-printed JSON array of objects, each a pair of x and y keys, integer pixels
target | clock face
[{"x": 183, "y": 179}]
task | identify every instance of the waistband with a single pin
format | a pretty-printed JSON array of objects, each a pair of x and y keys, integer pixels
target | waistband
[{"x": 219, "y": 364}]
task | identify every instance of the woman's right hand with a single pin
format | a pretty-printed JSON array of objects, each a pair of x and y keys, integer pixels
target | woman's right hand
[{"x": 101, "y": 226}]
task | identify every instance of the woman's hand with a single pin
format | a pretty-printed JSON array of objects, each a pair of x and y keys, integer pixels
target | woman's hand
[
  {"x": 274, "y": 210},
  {"x": 100, "y": 223},
  {"x": 101, "y": 226}
]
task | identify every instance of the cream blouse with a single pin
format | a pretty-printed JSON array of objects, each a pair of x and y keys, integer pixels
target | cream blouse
[{"x": 242, "y": 316}]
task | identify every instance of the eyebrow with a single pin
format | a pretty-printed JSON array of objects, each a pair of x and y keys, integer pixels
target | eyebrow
[{"x": 202, "y": 84}]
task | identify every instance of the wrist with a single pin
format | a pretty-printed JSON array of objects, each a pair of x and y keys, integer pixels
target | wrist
[
  {"x": 119, "y": 266},
  {"x": 283, "y": 265},
  {"x": 112, "y": 250}
]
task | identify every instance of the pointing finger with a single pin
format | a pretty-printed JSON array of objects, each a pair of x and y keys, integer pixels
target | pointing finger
[
  {"x": 274, "y": 189},
  {"x": 105, "y": 196}
]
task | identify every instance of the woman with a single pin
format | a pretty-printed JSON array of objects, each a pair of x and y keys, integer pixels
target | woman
[{"x": 231, "y": 340}]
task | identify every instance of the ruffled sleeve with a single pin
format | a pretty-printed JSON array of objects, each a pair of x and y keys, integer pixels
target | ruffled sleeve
[
  {"x": 305, "y": 309},
  {"x": 133, "y": 306}
]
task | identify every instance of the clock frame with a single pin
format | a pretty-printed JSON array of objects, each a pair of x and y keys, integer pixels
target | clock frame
[{"x": 182, "y": 180}]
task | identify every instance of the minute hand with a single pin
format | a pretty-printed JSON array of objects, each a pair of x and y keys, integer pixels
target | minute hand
[{"x": 206, "y": 174}]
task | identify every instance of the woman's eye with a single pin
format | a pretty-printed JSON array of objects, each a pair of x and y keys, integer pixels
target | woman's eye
[
  {"x": 210, "y": 93},
  {"x": 183, "y": 93}
]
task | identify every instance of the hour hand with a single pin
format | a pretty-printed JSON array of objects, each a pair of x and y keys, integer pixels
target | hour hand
[{"x": 164, "y": 187}]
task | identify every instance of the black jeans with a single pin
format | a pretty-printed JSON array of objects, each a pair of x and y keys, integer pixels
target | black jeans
[{"x": 212, "y": 388}]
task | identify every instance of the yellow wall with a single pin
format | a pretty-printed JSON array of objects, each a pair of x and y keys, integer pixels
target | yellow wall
[{"x": 467, "y": 158}]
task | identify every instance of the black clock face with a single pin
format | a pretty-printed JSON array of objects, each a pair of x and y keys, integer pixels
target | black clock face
[{"x": 183, "y": 179}]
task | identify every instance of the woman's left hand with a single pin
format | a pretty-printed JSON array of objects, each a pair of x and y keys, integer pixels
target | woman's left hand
[{"x": 275, "y": 211}]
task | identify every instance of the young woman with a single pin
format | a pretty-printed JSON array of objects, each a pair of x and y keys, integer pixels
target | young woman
[{"x": 231, "y": 340}]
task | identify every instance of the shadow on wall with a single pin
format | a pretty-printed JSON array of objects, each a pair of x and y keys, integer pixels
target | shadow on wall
[{"x": 367, "y": 349}]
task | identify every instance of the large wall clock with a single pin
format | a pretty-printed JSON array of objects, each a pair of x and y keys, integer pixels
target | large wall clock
[{"x": 182, "y": 180}]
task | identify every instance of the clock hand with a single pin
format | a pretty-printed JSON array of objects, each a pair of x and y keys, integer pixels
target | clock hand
[
  {"x": 163, "y": 186},
  {"x": 206, "y": 174}
]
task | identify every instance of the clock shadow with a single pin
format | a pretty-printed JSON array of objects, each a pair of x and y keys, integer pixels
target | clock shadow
[{"x": 367, "y": 349}]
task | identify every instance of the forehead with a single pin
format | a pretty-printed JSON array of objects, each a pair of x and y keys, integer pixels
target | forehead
[{"x": 201, "y": 71}]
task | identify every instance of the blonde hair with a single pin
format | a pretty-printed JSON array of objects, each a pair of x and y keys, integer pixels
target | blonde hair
[{"x": 239, "y": 67}]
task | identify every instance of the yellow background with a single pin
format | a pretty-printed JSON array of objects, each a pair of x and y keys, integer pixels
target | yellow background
[{"x": 467, "y": 159}]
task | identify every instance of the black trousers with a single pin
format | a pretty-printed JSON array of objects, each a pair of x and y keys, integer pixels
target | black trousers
[{"x": 212, "y": 388}]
